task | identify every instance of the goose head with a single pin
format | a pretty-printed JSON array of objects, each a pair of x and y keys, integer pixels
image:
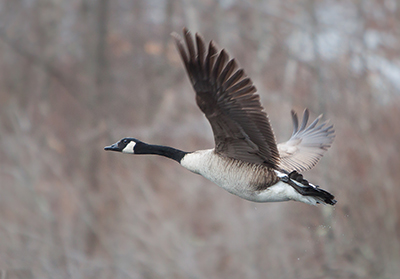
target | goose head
[{"x": 125, "y": 145}]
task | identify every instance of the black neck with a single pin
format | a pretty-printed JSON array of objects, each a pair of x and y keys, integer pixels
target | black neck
[{"x": 166, "y": 151}]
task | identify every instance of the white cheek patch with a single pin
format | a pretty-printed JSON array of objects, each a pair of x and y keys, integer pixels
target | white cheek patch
[{"x": 129, "y": 148}]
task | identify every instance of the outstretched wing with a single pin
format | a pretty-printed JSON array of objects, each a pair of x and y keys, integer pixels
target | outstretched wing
[
  {"x": 306, "y": 145},
  {"x": 227, "y": 98}
]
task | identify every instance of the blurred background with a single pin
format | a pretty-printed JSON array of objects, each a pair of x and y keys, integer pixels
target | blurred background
[{"x": 78, "y": 75}]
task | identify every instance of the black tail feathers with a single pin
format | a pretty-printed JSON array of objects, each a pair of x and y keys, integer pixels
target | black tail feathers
[{"x": 309, "y": 190}]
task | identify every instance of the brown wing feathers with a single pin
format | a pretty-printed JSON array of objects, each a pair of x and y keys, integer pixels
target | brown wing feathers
[{"x": 227, "y": 97}]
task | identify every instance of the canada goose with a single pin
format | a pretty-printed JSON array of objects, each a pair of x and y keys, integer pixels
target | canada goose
[{"x": 246, "y": 160}]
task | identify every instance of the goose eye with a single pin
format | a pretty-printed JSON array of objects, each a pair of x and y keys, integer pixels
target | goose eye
[{"x": 125, "y": 141}]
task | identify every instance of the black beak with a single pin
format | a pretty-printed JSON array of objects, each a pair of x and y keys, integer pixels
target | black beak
[{"x": 113, "y": 147}]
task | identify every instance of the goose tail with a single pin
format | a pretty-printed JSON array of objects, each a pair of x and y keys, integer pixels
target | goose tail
[{"x": 312, "y": 193}]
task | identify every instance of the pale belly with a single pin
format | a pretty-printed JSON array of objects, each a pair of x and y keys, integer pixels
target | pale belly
[{"x": 243, "y": 180}]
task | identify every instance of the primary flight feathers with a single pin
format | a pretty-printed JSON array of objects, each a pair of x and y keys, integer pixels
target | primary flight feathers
[{"x": 306, "y": 145}]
